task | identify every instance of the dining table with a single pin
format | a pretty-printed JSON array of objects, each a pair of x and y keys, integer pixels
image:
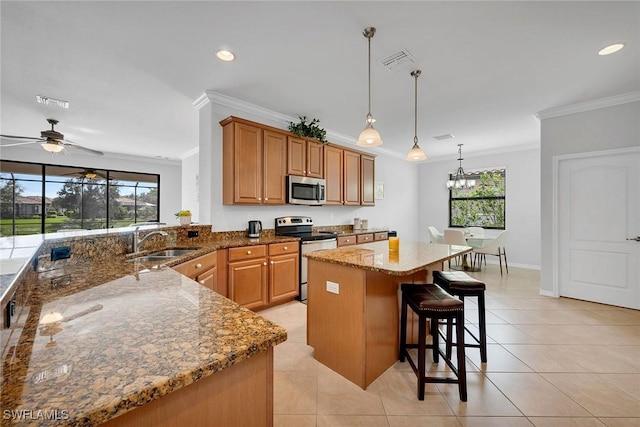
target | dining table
[{"x": 476, "y": 241}]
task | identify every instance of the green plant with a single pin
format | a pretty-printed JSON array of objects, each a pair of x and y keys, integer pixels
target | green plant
[
  {"x": 183, "y": 213},
  {"x": 308, "y": 129}
]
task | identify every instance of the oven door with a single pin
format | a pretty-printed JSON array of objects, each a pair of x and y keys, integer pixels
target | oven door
[{"x": 305, "y": 191}]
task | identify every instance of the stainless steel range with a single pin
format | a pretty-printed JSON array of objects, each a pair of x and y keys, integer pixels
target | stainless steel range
[{"x": 301, "y": 226}]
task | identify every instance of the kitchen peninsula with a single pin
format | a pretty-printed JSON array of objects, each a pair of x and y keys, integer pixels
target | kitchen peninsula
[
  {"x": 353, "y": 306},
  {"x": 102, "y": 338}
]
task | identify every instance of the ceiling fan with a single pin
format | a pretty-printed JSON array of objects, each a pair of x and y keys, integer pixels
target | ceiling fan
[
  {"x": 88, "y": 174},
  {"x": 51, "y": 140}
]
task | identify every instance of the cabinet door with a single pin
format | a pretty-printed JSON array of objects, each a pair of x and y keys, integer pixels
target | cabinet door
[
  {"x": 351, "y": 178},
  {"x": 296, "y": 163},
  {"x": 315, "y": 159},
  {"x": 284, "y": 276},
  {"x": 208, "y": 279},
  {"x": 247, "y": 164},
  {"x": 333, "y": 174},
  {"x": 346, "y": 240},
  {"x": 364, "y": 238},
  {"x": 275, "y": 169},
  {"x": 248, "y": 282},
  {"x": 367, "y": 189}
]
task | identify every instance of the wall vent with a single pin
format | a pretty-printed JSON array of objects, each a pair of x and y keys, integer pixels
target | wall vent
[
  {"x": 397, "y": 60},
  {"x": 443, "y": 137}
]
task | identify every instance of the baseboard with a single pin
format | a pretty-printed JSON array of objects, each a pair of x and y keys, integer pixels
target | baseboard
[{"x": 546, "y": 293}]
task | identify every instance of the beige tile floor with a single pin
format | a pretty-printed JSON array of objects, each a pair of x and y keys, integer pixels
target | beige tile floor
[{"x": 551, "y": 362}]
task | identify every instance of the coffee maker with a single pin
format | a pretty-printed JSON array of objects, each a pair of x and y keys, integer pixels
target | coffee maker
[{"x": 254, "y": 229}]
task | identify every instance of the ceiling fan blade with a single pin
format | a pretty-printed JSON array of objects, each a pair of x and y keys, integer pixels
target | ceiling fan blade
[
  {"x": 18, "y": 143},
  {"x": 80, "y": 147},
  {"x": 33, "y": 138}
]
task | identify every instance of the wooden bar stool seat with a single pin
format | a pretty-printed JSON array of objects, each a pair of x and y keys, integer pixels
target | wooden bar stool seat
[
  {"x": 432, "y": 302},
  {"x": 462, "y": 285}
]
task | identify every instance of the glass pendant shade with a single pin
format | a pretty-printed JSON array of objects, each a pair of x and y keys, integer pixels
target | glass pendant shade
[
  {"x": 369, "y": 137},
  {"x": 416, "y": 154},
  {"x": 52, "y": 147}
]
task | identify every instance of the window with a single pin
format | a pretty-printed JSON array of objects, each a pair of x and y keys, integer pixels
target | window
[
  {"x": 37, "y": 198},
  {"x": 484, "y": 205}
]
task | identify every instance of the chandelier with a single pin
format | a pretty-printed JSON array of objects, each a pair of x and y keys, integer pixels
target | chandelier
[{"x": 459, "y": 181}]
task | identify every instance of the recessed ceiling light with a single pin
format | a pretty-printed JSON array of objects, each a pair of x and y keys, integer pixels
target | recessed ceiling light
[
  {"x": 611, "y": 49},
  {"x": 225, "y": 55}
]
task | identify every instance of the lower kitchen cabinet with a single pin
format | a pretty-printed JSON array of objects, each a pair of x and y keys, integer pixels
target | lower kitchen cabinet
[
  {"x": 346, "y": 240},
  {"x": 203, "y": 270},
  {"x": 263, "y": 275}
]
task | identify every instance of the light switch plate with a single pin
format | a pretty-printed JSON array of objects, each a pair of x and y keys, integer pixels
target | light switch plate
[{"x": 333, "y": 287}]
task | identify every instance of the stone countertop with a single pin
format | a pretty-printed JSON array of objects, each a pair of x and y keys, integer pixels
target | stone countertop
[
  {"x": 410, "y": 258},
  {"x": 122, "y": 334}
]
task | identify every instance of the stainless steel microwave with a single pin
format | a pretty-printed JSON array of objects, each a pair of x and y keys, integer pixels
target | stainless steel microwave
[{"x": 302, "y": 190}]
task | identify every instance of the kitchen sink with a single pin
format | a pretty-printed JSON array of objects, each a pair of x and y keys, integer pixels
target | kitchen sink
[{"x": 170, "y": 253}]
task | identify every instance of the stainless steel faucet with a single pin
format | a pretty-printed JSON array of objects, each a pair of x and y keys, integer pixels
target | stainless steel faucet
[{"x": 137, "y": 241}]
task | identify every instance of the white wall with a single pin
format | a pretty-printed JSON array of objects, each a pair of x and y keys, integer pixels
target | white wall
[
  {"x": 522, "y": 240},
  {"x": 598, "y": 129},
  {"x": 169, "y": 171},
  {"x": 397, "y": 211},
  {"x": 190, "y": 185}
]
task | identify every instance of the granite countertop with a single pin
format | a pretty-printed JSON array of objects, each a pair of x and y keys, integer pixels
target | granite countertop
[
  {"x": 102, "y": 336},
  {"x": 410, "y": 258}
]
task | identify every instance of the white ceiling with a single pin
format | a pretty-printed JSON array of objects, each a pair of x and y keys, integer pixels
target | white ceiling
[{"x": 131, "y": 70}]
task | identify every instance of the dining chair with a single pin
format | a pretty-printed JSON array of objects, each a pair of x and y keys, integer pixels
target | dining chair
[
  {"x": 455, "y": 237},
  {"x": 475, "y": 231},
  {"x": 435, "y": 235},
  {"x": 496, "y": 248}
]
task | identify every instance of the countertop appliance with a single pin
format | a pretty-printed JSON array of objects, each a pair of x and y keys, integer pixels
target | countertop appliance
[
  {"x": 303, "y": 190},
  {"x": 255, "y": 227},
  {"x": 301, "y": 226}
]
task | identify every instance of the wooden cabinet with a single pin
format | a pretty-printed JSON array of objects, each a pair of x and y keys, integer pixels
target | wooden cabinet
[
  {"x": 364, "y": 238},
  {"x": 254, "y": 163},
  {"x": 262, "y": 275},
  {"x": 305, "y": 157},
  {"x": 284, "y": 271},
  {"x": 333, "y": 166},
  {"x": 347, "y": 240},
  {"x": 381, "y": 235},
  {"x": 204, "y": 271},
  {"x": 367, "y": 180},
  {"x": 351, "y": 178}
]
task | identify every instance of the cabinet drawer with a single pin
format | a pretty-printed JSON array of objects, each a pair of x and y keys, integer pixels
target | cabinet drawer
[
  {"x": 197, "y": 266},
  {"x": 283, "y": 248},
  {"x": 365, "y": 238},
  {"x": 381, "y": 236},
  {"x": 247, "y": 252},
  {"x": 346, "y": 240}
]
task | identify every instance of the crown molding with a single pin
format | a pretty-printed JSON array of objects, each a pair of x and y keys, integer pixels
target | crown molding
[
  {"x": 189, "y": 153},
  {"x": 218, "y": 98},
  {"x": 595, "y": 104}
]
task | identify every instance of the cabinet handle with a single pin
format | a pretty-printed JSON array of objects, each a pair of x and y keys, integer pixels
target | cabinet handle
[
  {"x": 348, "y": 240},
  {"x": 273, "y": 262},
  {"x": 264, "y": 263},
  {"x": 202, "y": 282},
  {"x": 285, "y": 248},
  {"x": 248, "y": 252},
  {"x": 198, "y": 265},
  {"x": 259, "y": 198}
]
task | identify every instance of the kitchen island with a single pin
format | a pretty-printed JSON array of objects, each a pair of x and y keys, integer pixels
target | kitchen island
[
  {"x": 353, "y": 303},
  {"x": 104, "y": 339}
]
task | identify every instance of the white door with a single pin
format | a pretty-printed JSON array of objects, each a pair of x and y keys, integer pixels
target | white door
[{"x": 598, "y": 210}]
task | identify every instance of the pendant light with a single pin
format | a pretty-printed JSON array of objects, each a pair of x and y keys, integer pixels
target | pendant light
[
  {"x": 460, "y": 182},
  {"x": 416, "y": 154},
  {"x": 369, "y": 137}
]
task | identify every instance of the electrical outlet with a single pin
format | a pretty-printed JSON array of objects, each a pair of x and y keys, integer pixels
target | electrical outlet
[
  {"x": 193, "y": 233},
  {"x": 333, "y": 287},
  {"x": 62, "y": 252}
]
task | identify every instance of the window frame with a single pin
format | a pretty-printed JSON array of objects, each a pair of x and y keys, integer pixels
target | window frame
[
  {"x": 43, "y": 180},
  {"x": 476, "y": 175}
]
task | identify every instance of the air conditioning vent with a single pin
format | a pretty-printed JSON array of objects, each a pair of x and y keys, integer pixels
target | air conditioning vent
[
  {"x": 397, "y": 60},
  {"x": 443, "y": 137}
]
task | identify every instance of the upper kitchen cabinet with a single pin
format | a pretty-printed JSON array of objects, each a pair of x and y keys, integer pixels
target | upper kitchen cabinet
[
  {"x": 305, "y": 157},
  {"x": 352, "y": 177},
  {"x": 367, "y": 185},
  {"x": 254, "y": 163},
  {"x": 333, "y": 166}
]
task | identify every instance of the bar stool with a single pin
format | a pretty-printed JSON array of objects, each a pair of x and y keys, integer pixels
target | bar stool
[
  {"x": 432, "y": 302},
  {"x": 462, "y": 285}
]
